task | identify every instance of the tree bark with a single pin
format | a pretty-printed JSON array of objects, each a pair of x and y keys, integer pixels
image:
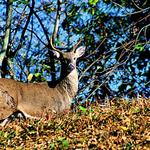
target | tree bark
[{"x": 5, "y": 48}]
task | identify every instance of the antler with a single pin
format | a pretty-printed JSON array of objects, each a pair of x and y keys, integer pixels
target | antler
[
  {"x": 76, "y": 45},
  {"x": 55, "y": 49}
]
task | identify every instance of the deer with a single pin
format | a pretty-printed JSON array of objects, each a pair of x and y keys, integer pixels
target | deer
[{"x": 33, "y": 100}]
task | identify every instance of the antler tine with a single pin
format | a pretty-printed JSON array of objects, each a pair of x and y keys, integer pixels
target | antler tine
[
  {"x": 55, "y": 49},
  {"x": 76, "y": 45}
]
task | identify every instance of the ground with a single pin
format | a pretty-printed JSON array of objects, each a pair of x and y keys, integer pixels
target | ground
[{"x": 120, "y": 124}]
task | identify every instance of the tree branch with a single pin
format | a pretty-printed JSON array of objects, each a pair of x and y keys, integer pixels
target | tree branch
[{"x": 25, "y": 27}]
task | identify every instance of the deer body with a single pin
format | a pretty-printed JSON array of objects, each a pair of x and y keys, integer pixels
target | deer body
[{"x": 36, "y": 99}]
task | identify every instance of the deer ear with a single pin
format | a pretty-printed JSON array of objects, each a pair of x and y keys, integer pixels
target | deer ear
[
  {"x": 80, "y": 51},
  {"x": 57, "y": 54}
]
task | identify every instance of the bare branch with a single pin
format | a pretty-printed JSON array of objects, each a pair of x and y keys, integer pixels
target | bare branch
[
  {"x": 57, "y": 20},
  {"x": 25, "y": 28}
]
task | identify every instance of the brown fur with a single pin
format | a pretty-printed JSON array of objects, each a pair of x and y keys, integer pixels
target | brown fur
[{"x": 34, "y": 100}]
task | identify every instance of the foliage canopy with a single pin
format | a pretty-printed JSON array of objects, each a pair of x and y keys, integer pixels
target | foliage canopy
[{"x": 116, "y": 34}]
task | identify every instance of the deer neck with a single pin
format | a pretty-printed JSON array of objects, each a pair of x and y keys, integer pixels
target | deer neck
[{"x": 69, "y": 84}]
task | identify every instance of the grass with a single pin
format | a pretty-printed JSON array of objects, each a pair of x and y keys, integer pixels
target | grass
[{"x": 120, "y": 125}]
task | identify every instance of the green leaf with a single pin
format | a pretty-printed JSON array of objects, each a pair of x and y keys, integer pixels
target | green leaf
[
  {"x": 37, "y": 74},
  {"x": 139, "y": 47},
  {"x": 24, "y": 2},
  {"x": 65, "y": 143},
  {"x": 2, "y": 133},
  {"x": 21, "y": 1},
  {"x": 93, "y": 2},
  {"x": 93, "y": 11},
  {"x": 52, "y": 146},
  {"x": 135, "y": 110},
  {"x": 46, "y": 66},
  {"x": 30, "y": 76},
  {"x": 61, "y": 138},
  {"x": 83, "y": 109},
  {"x": 128, "y": 146}
]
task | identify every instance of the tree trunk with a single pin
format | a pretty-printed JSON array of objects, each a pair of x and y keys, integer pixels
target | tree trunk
[{"x": 6, "y": 46}]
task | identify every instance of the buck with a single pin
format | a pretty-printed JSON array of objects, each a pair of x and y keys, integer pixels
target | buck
[{"x": 33, "y": 100}]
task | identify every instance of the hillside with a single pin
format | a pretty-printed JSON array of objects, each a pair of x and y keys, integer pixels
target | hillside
[{"x": 118, "y": 125}]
